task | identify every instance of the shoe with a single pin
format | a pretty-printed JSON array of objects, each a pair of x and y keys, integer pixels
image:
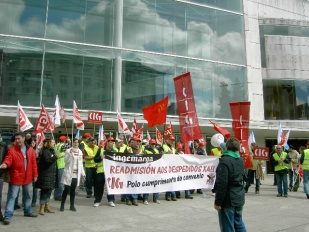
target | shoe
[
  {"x": 257, "y": 192},
  {"x": 174, "y": 199},
  {"x": 6, "y": 221},
  {"x": 72, "y": 208},
  {"x": 128, "y": 202},
  {"x": 168, "y": 198},
  {"x": 285, "y": 195},
  {"x": 134, "y": 202},
  {"x": 156, "y": 201},
  {"x": 33, "y": 204},
  {"x": 189, "y": 197},
  {"x": 96, "y": 204},
  {"x": 192, "y": 191},
  {"x": 307, "y": 196},
  {"x": 199, "y": 191},
  {"x": 213, "y": 194},
  {"x": 146, "y": 203},
  {"x": 88, "y": 195},
  {"x": 111, "y": 204},
  {"x": 30, "y": 215},
  {"x": 17, "y": 207},
  {"x": 290, "y": 189},
  {"x": 62, "y": 207},
  {"x": 279, "y": 195},
  {"x": 123, "y": 200}
]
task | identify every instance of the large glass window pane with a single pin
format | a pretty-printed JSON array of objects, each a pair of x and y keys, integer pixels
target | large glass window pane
[
  {"x": 24, "y": 18},
  {"x": 85, "y": 73},
  {"x": 21, "y": 71},
  {"x": 183, "y": 29},
  {"x": 286, "y": 99},
  {"x": 66, "y": 20},
  {"x": 148, "y": 78}
]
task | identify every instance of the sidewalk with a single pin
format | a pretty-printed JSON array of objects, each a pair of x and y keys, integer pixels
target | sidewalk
[{"x": 262, "y": 213}]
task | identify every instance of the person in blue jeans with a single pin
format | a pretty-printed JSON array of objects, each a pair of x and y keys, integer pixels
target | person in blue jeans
[
  {"x": 230, "y": 192},
  {"x": 21, "y": 160}
]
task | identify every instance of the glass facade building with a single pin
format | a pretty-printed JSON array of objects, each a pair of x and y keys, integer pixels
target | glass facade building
[{"x": 122, "y": 55}]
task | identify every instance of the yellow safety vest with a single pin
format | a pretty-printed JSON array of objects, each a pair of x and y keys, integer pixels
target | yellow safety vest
[
  {"x": 216, "y": 151},
  {"x": 120, "y": 150},
  {"x": 167, "y": 149},
  {"x": 100, "y": 168},
  {"x": 60, "y": 160},
  {"x": 306, "y": 160},
  {"x": 154, "y": 151},
  {"x": 92, "y": 153},
  {"x": 283, "y": 165}
]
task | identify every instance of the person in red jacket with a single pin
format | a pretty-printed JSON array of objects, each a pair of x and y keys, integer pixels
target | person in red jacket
[{"x": 21, "y": 161}]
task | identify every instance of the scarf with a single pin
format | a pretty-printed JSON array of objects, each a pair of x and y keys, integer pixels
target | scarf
[{"x": 234, "y": 154}]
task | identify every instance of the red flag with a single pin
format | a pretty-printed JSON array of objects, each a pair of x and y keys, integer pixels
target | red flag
[
  {"x": 188, "y": 120},
  {"x": 102, "y": 141},
  {"x": 44, "y": 123},
  {"x": 159, "y": 137},
  {"x": 77, "y": 118},
  {"x": 22, "y": 119},
  {"x": 140, "y": 132},
  {"x": 241, "y": 115},
  {"x": 168, "y": 130},
  {"x": 156, "y": 113},
  {"x": 221, "y": 130}
]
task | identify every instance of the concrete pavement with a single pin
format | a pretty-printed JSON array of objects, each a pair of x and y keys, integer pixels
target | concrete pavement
[{"x": 262, "y": 213}]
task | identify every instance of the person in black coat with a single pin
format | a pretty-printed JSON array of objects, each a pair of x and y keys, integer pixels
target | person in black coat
[
  {"x": 230, "y": 192},
  {"x": 47, "y": 174}
]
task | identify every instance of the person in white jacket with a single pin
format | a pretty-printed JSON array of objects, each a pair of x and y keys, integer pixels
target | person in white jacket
[{"x": 72, "y": 173}]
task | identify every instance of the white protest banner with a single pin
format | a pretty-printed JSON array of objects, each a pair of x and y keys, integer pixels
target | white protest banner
[{"x": 128, "y": 174}]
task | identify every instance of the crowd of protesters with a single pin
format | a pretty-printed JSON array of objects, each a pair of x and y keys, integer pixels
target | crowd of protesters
[{"x": 66, "y": 166}]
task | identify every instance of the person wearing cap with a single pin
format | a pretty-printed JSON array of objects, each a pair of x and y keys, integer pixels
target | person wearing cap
[
  {"x": 90, "y": 150},
  {"x": 120, "y": 147},
  {"x": 3, "y": 153},
  {"x": 60, "y": 149},
  {"x": 304, "y": 160},
  {"x": 169, "y": 148},
  {"x": 281, "y": 160},
  {"x": 100, "y": 180},
  {"x": 133, "y": 148},
  {"x": 179, "y": 151},
  {"x": 151, "y": 149},
  {"x": 83, "y": 143},
  {"x": 294, "y": 155}
]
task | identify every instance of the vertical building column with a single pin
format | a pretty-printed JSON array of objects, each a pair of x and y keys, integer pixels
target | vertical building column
[{"x": 118, "y": 60}]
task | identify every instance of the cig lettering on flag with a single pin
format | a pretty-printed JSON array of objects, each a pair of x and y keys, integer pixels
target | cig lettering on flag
[
  {"x": 22, "y": 119},
  {"x": 159, "y": 137},
  {"x": 77, "y": 118},
  {"x": 168, "y": 130},
  {"x": 56, "y": 113},
  {"x": 241, "y": 116},
  {"x": 122, "y": 126},
  {"x": 62, "y": 114},
  {"x": 189, "y": 125},
  {"x": 44, "y": 123}
]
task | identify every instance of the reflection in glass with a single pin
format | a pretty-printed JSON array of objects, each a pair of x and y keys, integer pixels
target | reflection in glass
[{"x": 286, "y": 99}]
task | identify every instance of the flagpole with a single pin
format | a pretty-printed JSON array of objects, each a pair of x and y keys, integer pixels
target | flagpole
[
  {"x": 66, "y": 129},
  {"x": 93, "y": 130}
]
